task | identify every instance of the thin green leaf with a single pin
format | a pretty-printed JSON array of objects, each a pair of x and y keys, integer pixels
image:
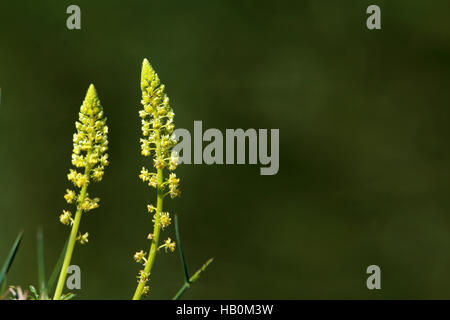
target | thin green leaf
[
  {"x": 52, "y": 280},
  {"x": 10, "y": 258},
  {"x": 180, "y": 249},
  {"x": 187, "y": 280},
  {"x": 41, "y": 262},
  {"x": 68, "y": 296},
  {"x": 4, "y": 286}
]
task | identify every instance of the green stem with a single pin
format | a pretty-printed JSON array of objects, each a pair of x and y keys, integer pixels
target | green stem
[
  {"x": 73, "y": 238},
  {"x": 155, "y": 239},
  {"x": 192, "y": 279},
  {"x": 180, "y": 292},
  {"x": 157, "y": 226}
]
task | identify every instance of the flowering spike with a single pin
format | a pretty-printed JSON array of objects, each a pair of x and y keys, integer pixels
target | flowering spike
[
  {"x": 90, "y": 144},
  {"x": 158, "y": 142}
]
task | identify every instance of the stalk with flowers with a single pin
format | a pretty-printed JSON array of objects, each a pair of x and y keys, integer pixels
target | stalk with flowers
[
  {"x": 157, "y": 128},
  {"x": 90, "y": 144}
]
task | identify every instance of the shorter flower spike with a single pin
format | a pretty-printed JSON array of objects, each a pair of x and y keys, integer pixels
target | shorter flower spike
[{"x": 89, "y": 157}]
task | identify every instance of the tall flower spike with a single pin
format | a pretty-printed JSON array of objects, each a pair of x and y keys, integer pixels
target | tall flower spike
[
  {"x": 158, "y": 142},
  {"x": 90, "y": 144}
]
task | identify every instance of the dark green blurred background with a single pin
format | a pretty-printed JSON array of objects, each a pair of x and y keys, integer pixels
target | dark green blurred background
[{"x": 364, "y": 151}]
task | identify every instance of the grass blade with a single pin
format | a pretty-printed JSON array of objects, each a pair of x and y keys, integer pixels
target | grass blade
[
  {"x": 180, "y": 249},
  {"x": 10, "y": 258},
  {"x": 41, "y": 262},
  {"x": 187, "y": 280},
  {"x": 52, "y": 280},
  {"x": 4, "y": 287}
]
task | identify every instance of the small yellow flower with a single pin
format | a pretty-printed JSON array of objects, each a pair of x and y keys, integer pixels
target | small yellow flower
[
  {"x": 143, "y": 114},
  {"x": 83, "y": 238},
  {"x": 151, "y": 208},
  {"x": 145, "y": 128},
  {"x": 156, "y": 123},
  {"x": 145, "y": 175},
  {"x": 139, "y": 256},
  {"x": 164, "y": 219},
  {"x": 70, "y": 196},
  {"x": 145, "y": 147},
  {"x": 159, "y": 164},
  {"x": 173, "y": 161},
  {"x": 173, "y": 180},
  {"x": 153, "y": 182},
  {"x": 78, "y": 160},
  {"x": 66, "y": 217},
  {"x": 165, "y": 141},
  {"x": 146, "y": 290},
  {"x": 90, "y": 204},
  {"x": 76, "y": 149},
  {"x": 97, "y": 174},
  {"x": 174, "y": 192},
  {"x": 80, "y": 180},
  {"x": 104, "y": 160},
  {"x": 169, "y": 245},
  {"x": 72, "y": 175},
  {"x": 143, "y": 276}
]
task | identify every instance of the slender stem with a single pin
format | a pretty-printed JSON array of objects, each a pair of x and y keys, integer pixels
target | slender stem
[
  {"x": 192, "y": 279},
  {"x": 157, "y": 226},
  {"x": 73, "y": 237},
  {"x": 181, "y": 291}
]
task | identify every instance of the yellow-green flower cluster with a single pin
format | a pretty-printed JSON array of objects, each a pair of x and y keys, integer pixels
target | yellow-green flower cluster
[
  {"x": 157, "y": 129},
  {"x": 157, "y": 121},
  {"x": 90, "y": 144},
  {"x": 157, "y": 142}
]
